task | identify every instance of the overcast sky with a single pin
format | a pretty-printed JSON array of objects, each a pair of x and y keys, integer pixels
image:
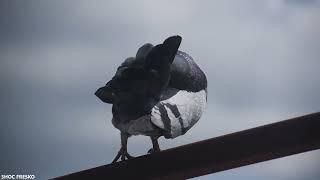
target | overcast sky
[{"x": 261, "y": 59}]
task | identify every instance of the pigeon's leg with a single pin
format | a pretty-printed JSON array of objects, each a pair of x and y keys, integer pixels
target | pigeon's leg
[
  {"x": 123, "y": 153},
  {"x": 155, "y": 145}
]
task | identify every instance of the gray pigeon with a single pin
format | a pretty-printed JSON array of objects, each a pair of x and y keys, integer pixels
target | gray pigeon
[{"x": 160, "y": 92}]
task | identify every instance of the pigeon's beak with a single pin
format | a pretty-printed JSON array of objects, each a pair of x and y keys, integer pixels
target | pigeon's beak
[{"x": 105, "y": 94}]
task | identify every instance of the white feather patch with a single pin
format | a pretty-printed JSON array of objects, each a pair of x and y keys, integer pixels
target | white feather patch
[
  {"x": 156, "y": 118},
  {"x": 190, "y": 106}
]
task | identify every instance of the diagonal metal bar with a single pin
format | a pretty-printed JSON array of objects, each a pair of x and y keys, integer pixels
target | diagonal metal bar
[{"x": 238, "y": 149}]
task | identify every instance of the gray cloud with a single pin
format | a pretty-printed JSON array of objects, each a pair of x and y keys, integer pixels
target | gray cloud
[{"x": 261, "y": 60}]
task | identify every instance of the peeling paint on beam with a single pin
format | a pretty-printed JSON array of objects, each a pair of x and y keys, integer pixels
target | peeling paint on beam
[{"x": 234, "y": 150}]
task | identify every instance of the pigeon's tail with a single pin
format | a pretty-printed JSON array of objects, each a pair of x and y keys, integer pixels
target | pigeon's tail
[{"x": 171, "y": 46}]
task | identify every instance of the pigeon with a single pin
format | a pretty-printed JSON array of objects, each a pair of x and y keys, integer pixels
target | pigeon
[{"x": 159, "y": 92}]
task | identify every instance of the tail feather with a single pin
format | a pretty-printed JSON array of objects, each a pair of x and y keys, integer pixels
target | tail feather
[{"x": 162, "y": 55}]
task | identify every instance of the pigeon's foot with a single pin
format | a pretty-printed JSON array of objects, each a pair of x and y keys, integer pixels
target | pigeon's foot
[
  {"x": 123, "y": 154},
  {"x": 152, "y": 150},
  {"x": 155, "y": 145}
]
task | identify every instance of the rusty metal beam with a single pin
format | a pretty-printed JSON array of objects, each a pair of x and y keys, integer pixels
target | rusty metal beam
[{"x": 238, "y": 149}]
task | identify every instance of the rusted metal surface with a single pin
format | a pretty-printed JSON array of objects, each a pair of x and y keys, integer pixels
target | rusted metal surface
[{"x": 238, "y": 149}]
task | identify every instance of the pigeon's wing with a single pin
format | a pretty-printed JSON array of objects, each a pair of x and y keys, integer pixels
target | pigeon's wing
[{"x": 179, "y": 112}]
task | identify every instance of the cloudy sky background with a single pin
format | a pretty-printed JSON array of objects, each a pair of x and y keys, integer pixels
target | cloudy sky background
[{"x": 261, "y": 59}]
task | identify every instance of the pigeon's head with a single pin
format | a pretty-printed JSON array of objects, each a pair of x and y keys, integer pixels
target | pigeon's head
[
  {"x": 144, "y": 76},
  {"x": 106, "y": 94},
  {"x": 127, "y": 84}
]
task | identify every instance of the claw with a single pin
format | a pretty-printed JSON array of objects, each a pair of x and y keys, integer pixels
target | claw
[
  {"x": 150, "y": 151},
  {"x": 123, "y": 154}
]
